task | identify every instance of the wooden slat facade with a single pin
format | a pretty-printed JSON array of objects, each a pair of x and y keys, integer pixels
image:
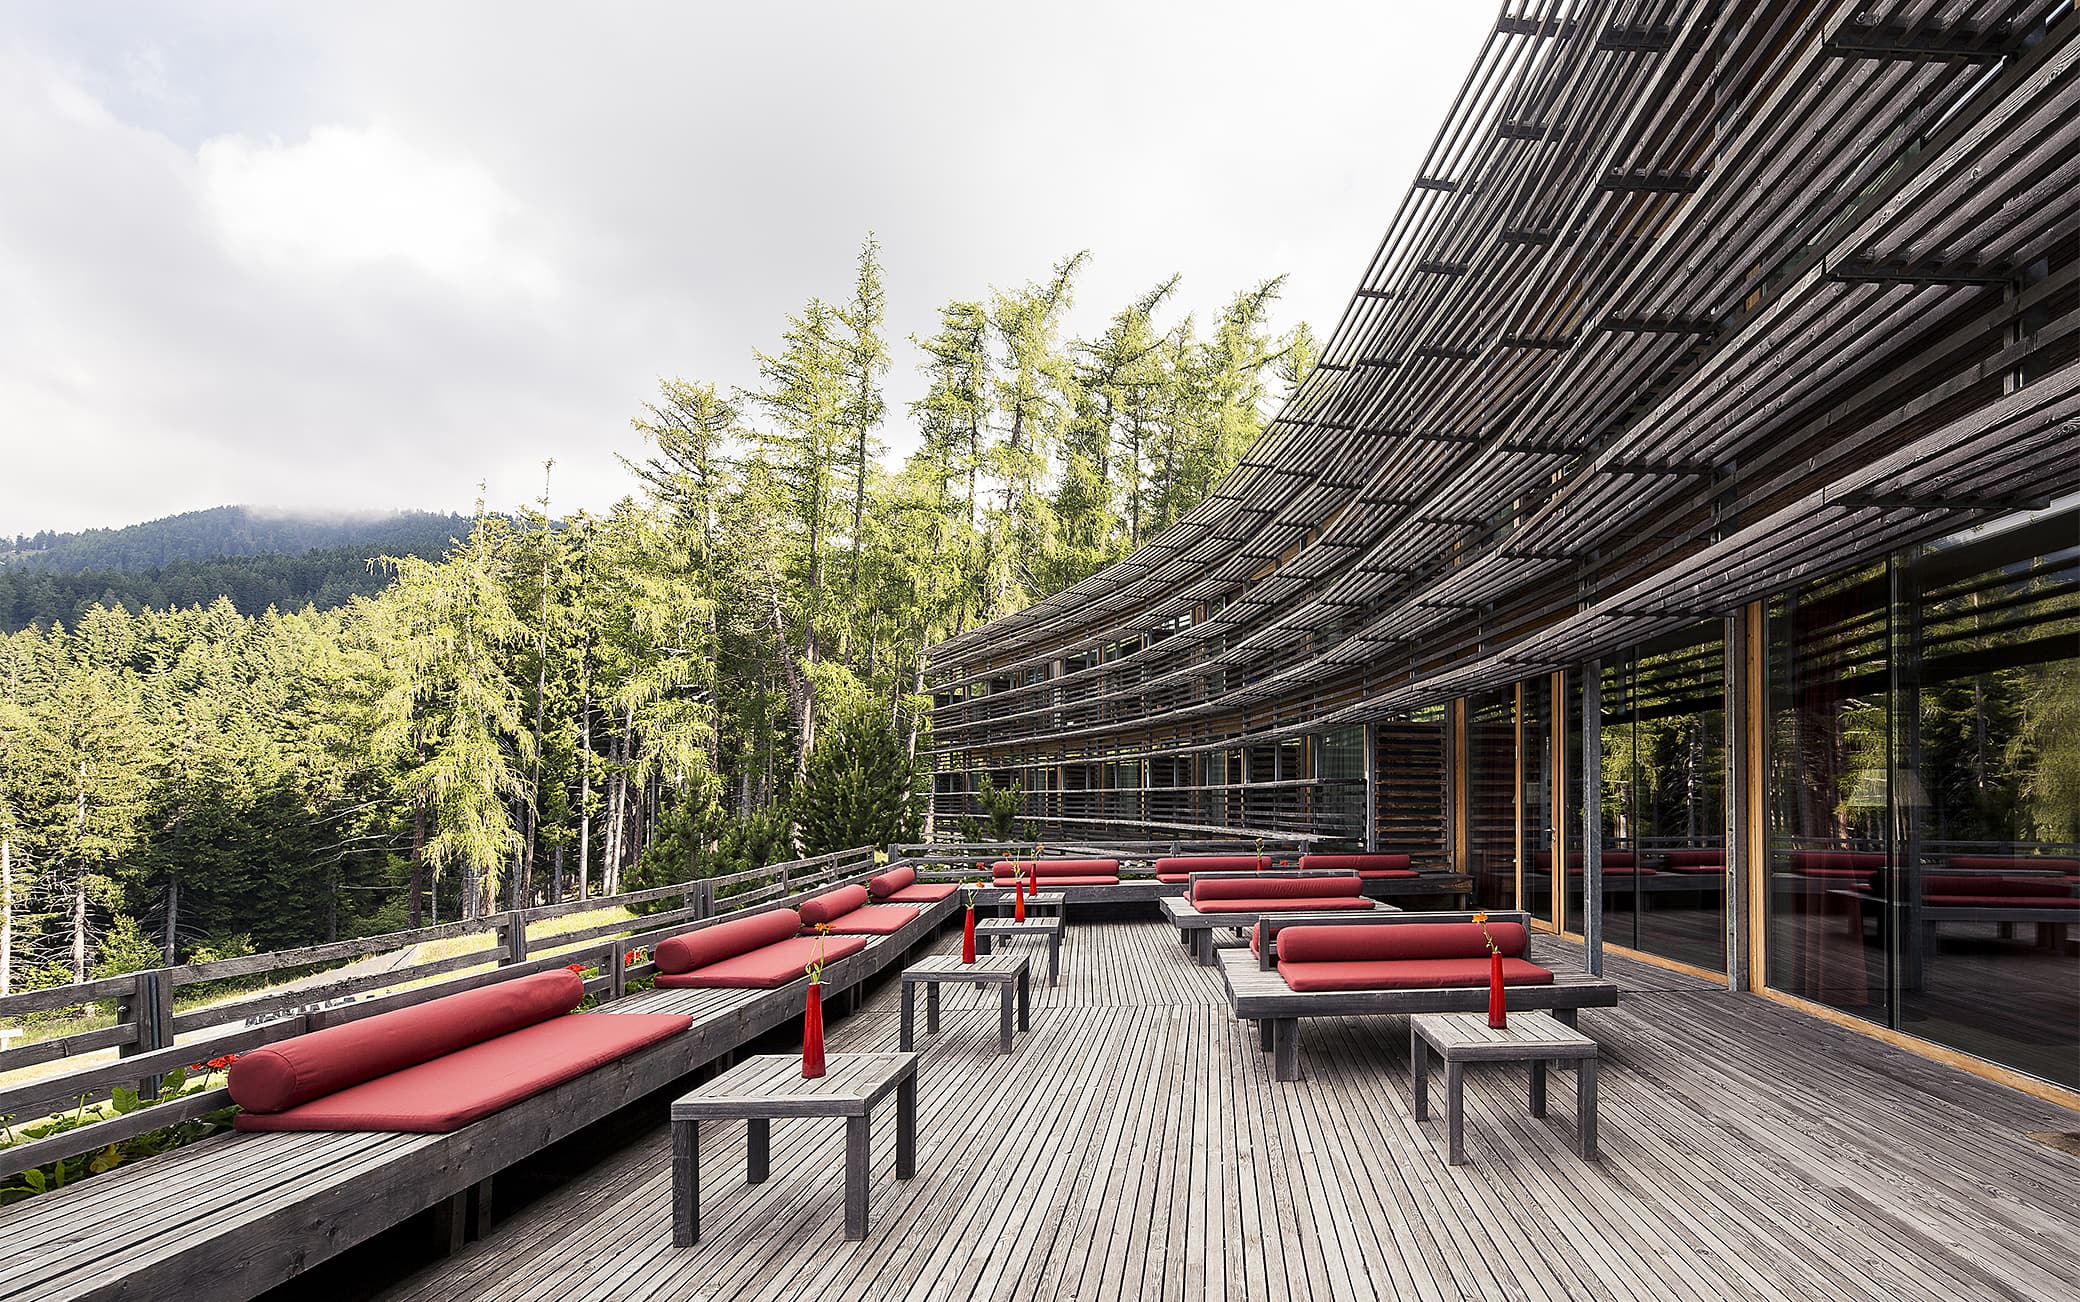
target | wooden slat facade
[{"x": 1783, "y": 280}]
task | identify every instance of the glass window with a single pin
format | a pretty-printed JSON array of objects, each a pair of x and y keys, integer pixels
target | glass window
[
  {"x": 1538, "y": 797},
  {"x": 1342, "y": 784},
  {"x": 1827, "y": 836},
  {"x": 1409, "y": 764},
  {"x": 1491, "y": 805},
  {"x": 1925, "y": 793},
  {"x": 1985, "y": 790}
]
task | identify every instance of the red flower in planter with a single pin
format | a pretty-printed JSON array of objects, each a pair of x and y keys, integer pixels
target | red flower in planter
[
  {"x": 578, "y": 968},
  {"x": 631, "y": 958},
  {"x": 219, "y": 1064}
]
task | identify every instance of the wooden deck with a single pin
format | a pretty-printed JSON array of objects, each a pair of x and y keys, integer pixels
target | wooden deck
[{"x": 1135, "y": 1145}]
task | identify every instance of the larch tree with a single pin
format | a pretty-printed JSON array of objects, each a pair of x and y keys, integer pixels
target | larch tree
[{"x": 453, "y": 713}]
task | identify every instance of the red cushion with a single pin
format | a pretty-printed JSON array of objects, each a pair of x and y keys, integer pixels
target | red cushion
[
  {"x": 766, "y": 967},
  {"x": 1050, "y": 883},
  {"x": 1285, "y": 904},
  {"x": 1861, "y": 876},
  {"x": 1256, "y": 937},
  {"x": 1273, "y": 888},
  {"x": 324, "y": 1062},
  {"x": 1404, "y": 974},
  {"x": 457, "y": 1088},
  {"x": 1936, "y": 884},
  {"x": 831, "y": 905},
  {"x": 874, "y": 920},
  {"x": 711, "y": 945},
  {"x": 924, "y": 893},
  {"x": 2059, "y": 901},
  {"x": 1342, "y": 942},
  {"x": 1177, "y": 868},
  {"x": 1696, "y": 861},
  {"x": 886, "y": 884},
  {"x": 1365, "y": 865},
  {"x": 2013, "y": 863},
  {"x": 1859, "y": 860},
  {"x": 1083, "y": 870}
]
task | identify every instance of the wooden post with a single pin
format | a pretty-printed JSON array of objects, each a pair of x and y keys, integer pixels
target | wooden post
[
  {"x": 1739, "y": 704},
  {"x": 149, "y": 1007},
  {"x": 1455, "y": 785},
  {"x": 512, "y": 934},
  {"x": 1592, "y": 816},
  {"x": 1516, "y": 801},
  {"x": 1556, "y": 814},
  {"x": 1371, "y": 788},
  {"x": 1756, "y": 842}
]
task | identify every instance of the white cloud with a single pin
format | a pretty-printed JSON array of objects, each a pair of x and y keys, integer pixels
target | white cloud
[
  {"x": 348, "y": 198},
  {"x": 280, "y": 255}
]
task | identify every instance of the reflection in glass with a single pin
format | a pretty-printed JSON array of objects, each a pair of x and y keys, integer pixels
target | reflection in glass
[
  {"x": 1828, "y": 695},
  {"x": 1925, "y": 793},
  {"x": 1538, "y": 797},
  {"x": 1491, "y": 811},
  {"x": 1985, "y": 788}
]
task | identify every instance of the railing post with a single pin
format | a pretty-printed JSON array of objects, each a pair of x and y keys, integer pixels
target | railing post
[
  {"x": 783, "y": 876},
  {"x": 617, "y": 976},
  {"x": 512, "y": 934},
  {"x": 149, "y": 1007}
]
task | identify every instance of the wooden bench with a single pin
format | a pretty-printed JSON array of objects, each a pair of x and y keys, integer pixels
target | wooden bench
[
  {"x": 235, "y": 1215},
  {"x": 1196, "y": 928},
  {"x": 1262, "y": 996},
  {"x": 1268, "y": 927}
]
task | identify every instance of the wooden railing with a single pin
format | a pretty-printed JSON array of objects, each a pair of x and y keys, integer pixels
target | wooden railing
[{"x": 152, "y": 1039}]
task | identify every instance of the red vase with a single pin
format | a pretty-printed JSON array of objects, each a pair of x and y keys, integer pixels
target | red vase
[
  {"x": 968, "y": 937},
  {"x": 1018, "y": 910},
  {"x": 1498, "y": 1012},
  {"x": 812, "y": 1033}
]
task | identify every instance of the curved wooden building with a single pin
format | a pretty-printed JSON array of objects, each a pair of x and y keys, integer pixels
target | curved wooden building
[{"x": 1679, "y": 533}]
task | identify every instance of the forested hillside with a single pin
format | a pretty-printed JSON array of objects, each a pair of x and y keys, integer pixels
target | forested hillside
[
  {"x": 724, "y": 668},
  {"x": 269, "y": 564},
  {"x": 223, "y": 531}
]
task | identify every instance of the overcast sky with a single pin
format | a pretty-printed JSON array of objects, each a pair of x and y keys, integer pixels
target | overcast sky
[{"x": 363, "y": 256}]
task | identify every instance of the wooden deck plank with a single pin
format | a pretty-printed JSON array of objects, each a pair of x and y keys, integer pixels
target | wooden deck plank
[{"x": 1748, "y": 1152}]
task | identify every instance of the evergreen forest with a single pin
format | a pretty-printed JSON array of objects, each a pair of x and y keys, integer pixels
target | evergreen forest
[{"x": 723, "y": 669}]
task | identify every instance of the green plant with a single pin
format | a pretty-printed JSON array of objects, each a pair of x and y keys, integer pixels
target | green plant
[
  {"x": 121, "y": 1102},
  {"x": 1000, "y": 807}
]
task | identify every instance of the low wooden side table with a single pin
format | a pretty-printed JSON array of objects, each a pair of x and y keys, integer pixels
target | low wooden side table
[
  {"x": 771, "y": 1085},
  {"x": 1534, "y": 1037},
  {"x": 1007, "y": 972},
  {"x": 987, "y": 930},
  {"x": 1051, "y": 901}
]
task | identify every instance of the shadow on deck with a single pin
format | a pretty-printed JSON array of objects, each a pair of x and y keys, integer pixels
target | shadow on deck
[{"x": 1134, "y": 1145}]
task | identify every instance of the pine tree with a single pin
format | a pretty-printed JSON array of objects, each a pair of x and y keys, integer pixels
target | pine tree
[{"x": 453, "y": 714}]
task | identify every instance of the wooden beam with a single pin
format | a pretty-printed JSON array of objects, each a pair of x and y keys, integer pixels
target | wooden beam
[{"x": 1650, "y": 181}]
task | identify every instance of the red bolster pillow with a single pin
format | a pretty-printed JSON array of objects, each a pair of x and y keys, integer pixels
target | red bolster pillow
[
  {"x": 1940, "y": 884},
  {"x": 1697, "y": 858},
  {"x": 1275, "y": 888},
  {"x": 1353, "y": 863},
  {"x": 832, "y": 905},
  {"x": 1863, "y": 859},
  {"x": 312, "y": 1066},
  {"x": 2012, "y": 864},
  {"x": 726, "y": 940},
  {"x": 888, "y": 883},
  {"x": 1334, "y": 943}
]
